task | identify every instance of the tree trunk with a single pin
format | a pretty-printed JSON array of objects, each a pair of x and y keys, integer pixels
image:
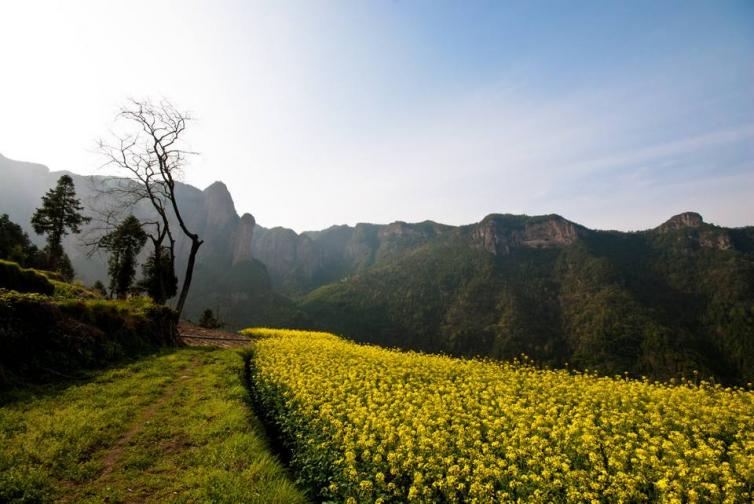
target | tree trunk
[
  {"x": 195, "y": 244},
  {"x": 162, "y": 296}
]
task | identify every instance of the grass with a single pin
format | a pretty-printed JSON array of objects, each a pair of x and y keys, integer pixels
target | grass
[
  {"x": 65, "y": 290},
  {"x": 172, "y": 427}
]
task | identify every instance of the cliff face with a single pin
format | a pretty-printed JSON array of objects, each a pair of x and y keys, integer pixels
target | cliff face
[
  {"x": 212, "y": 215},
  {"x": 690, "y": 228},
  {"x": 218, "y": 208},
  {"x": 499, "y": 234},
  {"x": 301, "y": 262},
  {"x": 681, "y": 221},
  {"x": 209, "y": 213},
  {"x": 465, "y": 289},
  {"x": 242, "y": 239}
]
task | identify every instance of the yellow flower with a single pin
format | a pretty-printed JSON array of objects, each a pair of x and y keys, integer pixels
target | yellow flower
[{"x": 430, "y": 428}]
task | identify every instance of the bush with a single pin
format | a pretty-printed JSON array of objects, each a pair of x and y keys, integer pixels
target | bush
[
  {"x": 14, "y": 277},
  {"x": 41, "y": 337},
  {"x": 15, "y": 245},
  {"x": 209, "y": 321},
  {"x": 76, "y": 290}
]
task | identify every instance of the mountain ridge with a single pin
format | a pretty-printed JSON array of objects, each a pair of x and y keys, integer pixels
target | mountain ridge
[{"x": 661, "y": 302}]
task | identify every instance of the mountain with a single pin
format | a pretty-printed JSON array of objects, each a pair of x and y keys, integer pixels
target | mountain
[
  {"x": 662, "y": 302},
  {"x": 223, "y": 261}
]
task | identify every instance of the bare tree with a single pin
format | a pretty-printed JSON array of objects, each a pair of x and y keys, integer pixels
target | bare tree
[
  {"x": 147, "y": 148},
  {"x": 117, "y": 196}
]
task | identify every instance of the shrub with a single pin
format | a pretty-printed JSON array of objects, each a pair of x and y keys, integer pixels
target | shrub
[
  {"x": 14, "y": 277},
  {"x": 65, "y": 290},
  {"x": 41, "y": 337},
  {"x": 209, "y": 321}
]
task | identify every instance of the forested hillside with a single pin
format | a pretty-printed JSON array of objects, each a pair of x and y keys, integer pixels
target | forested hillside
[{"x": 663, "y": 302}]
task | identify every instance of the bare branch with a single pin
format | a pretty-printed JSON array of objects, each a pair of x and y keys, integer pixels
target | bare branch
[{"x": 150, "y": 157}]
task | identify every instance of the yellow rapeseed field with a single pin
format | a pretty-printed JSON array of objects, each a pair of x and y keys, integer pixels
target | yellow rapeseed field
[{"x": 367, "y": 424}]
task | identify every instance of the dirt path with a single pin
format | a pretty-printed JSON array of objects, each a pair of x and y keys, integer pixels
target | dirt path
[
  {"x": 198, "y": 336},
  {"x": 116, "y": 451},
  {"x": 191, "y": 335},
  {"x": 175, "y": 426}
]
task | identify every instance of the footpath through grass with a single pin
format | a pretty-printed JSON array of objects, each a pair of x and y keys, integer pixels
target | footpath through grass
[{"x": 172, "y": 427}]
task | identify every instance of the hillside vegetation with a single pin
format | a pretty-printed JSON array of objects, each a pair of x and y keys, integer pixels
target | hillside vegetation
[
  {"x": 662, "y": 303},
  {"x": 367, "y": 424},
  {"x": 50, "y": 328}
]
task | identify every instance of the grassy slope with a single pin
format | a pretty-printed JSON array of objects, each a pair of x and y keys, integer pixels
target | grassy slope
[{"x": 172, "y": 427}]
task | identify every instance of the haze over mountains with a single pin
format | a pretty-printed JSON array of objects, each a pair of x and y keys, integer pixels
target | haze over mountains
[{"x": 661, "y": 302}]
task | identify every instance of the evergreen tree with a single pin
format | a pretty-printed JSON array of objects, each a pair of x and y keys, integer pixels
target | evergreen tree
[
  {"x": 124, "y": 244},
  {"x": 209, "y": 321},
  {"x": 99, "y": 287},
  {"x": 64, "y": 266},
  {"x": 159, "y": 281},
  {"x": 16, "y": 246},
  {"x": 59, "y": 215}
]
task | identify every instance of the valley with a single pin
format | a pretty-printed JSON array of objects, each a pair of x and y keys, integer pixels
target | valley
[{"x": 377, "y": 252}]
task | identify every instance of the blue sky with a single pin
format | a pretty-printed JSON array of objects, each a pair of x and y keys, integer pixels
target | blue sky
[{"x": 613, "y": 114}]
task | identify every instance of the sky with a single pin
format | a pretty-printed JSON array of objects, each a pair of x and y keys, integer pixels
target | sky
[{"x": 615, "y": 115}]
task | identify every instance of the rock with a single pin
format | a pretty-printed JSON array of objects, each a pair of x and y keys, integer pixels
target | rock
[
  {"x": 219, "y": 207},
  {"x": 720, "y": 240},
  {"x": 681, "y": 221},
  {"x": 698, "y": 232},
  {"x": 499, "y": 234},
  {"x": 554, "y": 232},
  {"x": 242, "y": 239}
]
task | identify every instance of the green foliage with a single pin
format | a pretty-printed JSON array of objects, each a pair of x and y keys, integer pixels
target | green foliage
[
  {"x": 59, "y": 215},
  {"x": 15, "y": 245},
  {"x": 159, "y": 280},
  {"x": 192, "y": 437},
  {"x": 42, "y": 336},
  {"x": 14, "y": 277},
  {"x": 76, "y": 290},
  {"x": 99, "y": 288},
  {"x": 59, "y": 262},
  {"x": 655, "y": 304},
  {"x": 124, "y": 244},
  {"x": 209, "y": 321}
]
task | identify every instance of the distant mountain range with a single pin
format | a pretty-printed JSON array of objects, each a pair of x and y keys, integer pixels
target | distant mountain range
[{"x": 662, "y": 302}]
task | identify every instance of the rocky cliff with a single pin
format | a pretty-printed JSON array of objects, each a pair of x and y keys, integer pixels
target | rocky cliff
[
  {"x": 691, "y": 228},
  {"x": 299, "y": 263},
  {"x": 499, "y": 234},
  {"x": 681, "y": 221},
  {"x": 209, "y": 212},
  {"x": 242, "y": 239}
]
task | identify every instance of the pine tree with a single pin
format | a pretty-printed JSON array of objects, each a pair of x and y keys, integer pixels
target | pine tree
[
  {"x": 59, "y": 215},
  {"x": 159, "y": 281},
  {"x": 209, "y": 321},
  {"x": 124, "y": 244}
]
